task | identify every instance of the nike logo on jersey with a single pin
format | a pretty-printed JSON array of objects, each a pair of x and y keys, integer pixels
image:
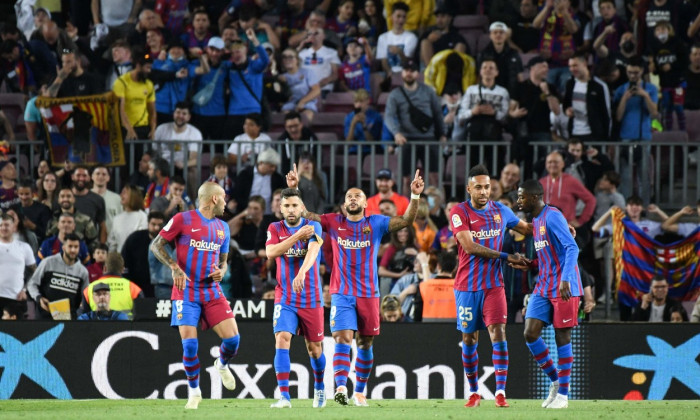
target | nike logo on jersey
[
  {"x": 229, "y": 311},
  {"x": 376, "y": 329},
  {"x": 196, "y": 230},
  {"x": 320, "y": 334},
  {"x": 566, "y": 320},
  {"x": 474, "y": 221}
]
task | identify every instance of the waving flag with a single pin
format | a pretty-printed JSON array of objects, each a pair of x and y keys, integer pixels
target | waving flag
[
  {"x": 83, "y": 129},
  {"x": 638, "y": 258}
]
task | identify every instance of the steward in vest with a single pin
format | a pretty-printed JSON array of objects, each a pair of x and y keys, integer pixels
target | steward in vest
[{"x": 122, "y": 291}]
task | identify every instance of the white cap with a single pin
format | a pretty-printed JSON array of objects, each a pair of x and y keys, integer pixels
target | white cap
[
  {"x": 216, "y": 42},
  {"x": 498, "y": 25}
]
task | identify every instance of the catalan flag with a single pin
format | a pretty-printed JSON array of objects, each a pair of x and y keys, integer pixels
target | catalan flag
[
  {"x": 638, "y": 258},
  {"x": 83, "y": 129}
]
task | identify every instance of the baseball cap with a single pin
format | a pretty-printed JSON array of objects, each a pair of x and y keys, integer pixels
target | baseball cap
[
  {"x": 43, "y": 9},
  {"x": 216, "y": 42},
  {"x": 535, "y": 61},
  {"x": 100, "y": 286},
  {"x": 349, "y": 40},
  {"x": 410, "y": 64},
  {"x": 498, "y": 25},
  {"x": 384, "y": 174}
]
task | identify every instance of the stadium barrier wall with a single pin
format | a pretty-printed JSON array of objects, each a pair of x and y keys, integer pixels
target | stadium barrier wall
[{"x": 144, "y": 360}]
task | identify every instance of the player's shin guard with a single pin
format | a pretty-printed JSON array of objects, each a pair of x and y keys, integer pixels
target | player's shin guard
[
  {"x": 500, "y": 363},
  {"x": 539, "y": 349},
  {"x": 282, "y": 368},
  {"x": 341, "y": 364},
  {"x": 319, "y": 367},
  {"x": 470, "y": 361},
  {"x": 191, "y": 361},
  {"x": 363, "y": 367},
  {"x": 566, "y": 359},
  {"x": 228, "y": 349}
]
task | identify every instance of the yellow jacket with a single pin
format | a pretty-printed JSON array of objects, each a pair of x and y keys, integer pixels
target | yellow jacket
[
  {"x": 420, "y": 14},
  {"x": 122, "y": 293},
  {"x": 436, "y": 72}
]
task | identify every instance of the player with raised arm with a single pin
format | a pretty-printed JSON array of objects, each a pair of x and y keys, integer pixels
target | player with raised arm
[
  {"x": 201, "y": 244},
  {"x": 479, "y": 226},
  {"x": 295, "y": 242},
  {"x": 355, "y": 240},
  {"x": 556, "y": 296}
]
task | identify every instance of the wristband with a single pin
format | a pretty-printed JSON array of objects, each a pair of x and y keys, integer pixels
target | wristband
[
  {"x": 504, "y": 255},
  {"x": 415, "y": 196}
]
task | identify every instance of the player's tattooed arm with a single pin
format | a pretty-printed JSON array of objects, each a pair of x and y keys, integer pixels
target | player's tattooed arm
[
  {"x": 161, "y": 253},
  {"x": 400, "y": 222},
  {"x": 223, "y": 266}
]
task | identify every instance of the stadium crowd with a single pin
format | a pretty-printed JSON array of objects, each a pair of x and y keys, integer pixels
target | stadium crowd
[{"x": 188, "y": 72}]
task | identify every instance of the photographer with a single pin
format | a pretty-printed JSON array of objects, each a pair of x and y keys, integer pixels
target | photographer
[
  {"x": 636, "y": 106},
  {"x": 397, "y": 259},
  {"x": 406, "y": 288}
]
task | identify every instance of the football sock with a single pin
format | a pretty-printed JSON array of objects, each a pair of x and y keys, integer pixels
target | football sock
[
  {"x": 470, "y": 361},
  {"x": 363, "y": 367},
  {"x": 191, "y": 361},
  {"x": 566, "y": 359},
  {"x": 282, "y": 368},
  {"x": 539, "y": 349},
  {"x": 341, "y": 364},
  {"x": 228, "y": 348},
  {"x": 319, "y": 367},
  {"x": 500, "y": 363}
]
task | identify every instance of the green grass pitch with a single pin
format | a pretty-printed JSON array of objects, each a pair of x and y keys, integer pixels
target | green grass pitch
[{"x": 384, "y": 409}]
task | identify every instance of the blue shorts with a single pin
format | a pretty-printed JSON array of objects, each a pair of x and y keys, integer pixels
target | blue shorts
[
  {"x": 189, "y": 313},
  {"x": 477, "y": 310},
  {"x": 355, "y": 313},
  {"x": 307, "y": 322}
]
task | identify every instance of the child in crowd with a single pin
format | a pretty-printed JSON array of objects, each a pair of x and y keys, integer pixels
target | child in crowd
[
  {"x": 669, "y": 60},
  {"x": 343, "y": 23},
  {"x": 220, "y": 176},
  {"x": 354, "y": 73},
  {"x": 96, "y": 268}
]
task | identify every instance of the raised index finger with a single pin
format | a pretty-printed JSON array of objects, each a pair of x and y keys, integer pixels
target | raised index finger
[{"x": 417, "y": 177}]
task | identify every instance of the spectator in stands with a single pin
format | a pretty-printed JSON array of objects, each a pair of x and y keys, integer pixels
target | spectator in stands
[
  {"x": 159, "y": 175},
  {"x": 606, "y": 194},
  {"x": 684, "y": 229},
  {"x": 245, "y": 79},
  {"x": 563, "y": 191},
  {"x": 244, "y": 227},
  {"x": 372, "y": 22},
  {"x": 536, "y": 99},
  {"x": 363, "y": 123},
  {"x": 450, "y": 70},
  {"x": 316, "y": 20},
  {"x": 406, "y": 287},
  {"x": 385, "y": 191},
  {"x": 586, "y": 164},
  {"x": 678, "y": 314},
  {"x": 425, "y": 229},
  {"x": 322, "y": 61},
  {"x": 343, "y": 23},
  {"x": 398, "y": 258},
  {"x": 387, "y": 208},
  {"x": 398, "y": 44},
  {"x": 692, "y": 78},
  {"x": 636, "y": 106},
  {"x": 16, "y": 256},
  {"x": 586, "y": 102},
  {"x": 294, "y": 131},
  {"x": 313, "y": 184},
  {"x": 137, "y": 100},
  {"x": 354, "y": 72},
  {"x": 49, "y": 41},
  {"x": 72, "y": 80},
  {"x": 96, "y": 268},
  {"x": 32, "y": 118},
  {"x": 123, "y": 291},
  {"x": 182, "y": 134},
  {"x": 13, "y": 311},
  {"x": 8, "y": 185},
  {"x": 140, "y": 177},
  {"x": 507, "y": 59},
  {"x": 117, "y": 16},
  {"x": 74, "y": 277},
  {"x": 525, "y": 37},
  {"x": 609, "y": 30},
  {"x": 36, "y": 214},
  {"x": 121, "y": 63},
  {"x": 274, "y": 216},
  {"x": 53, "y": 244},
  {"x": 48, "y": 190},
  {"x": 6, "y": 130},
  {"x": 484, "y": 107},
  {"x": 16, "y": 69},
  {"x": 173, "y": 14},
  {"x": 175, "y": 201},
  {"x": 101, "y": 299},
  {"x": 155, "y": 42},
  {"x": 444, "y": 240},
  {"x": 633, "y": 210},
  {"x": 496, "y": 190},
  {"x": 133, "y": 217},
  {"x": 261, "y": 179},
  {"x": 390, "y": 309},
  {"x": 451, "y": 99},
  {"x": 85, "y": 228},
  {"x": 197, "y": 37},
  {"x": 435, "y": 198},
  {"x": 557, "y": 45},
  {"x": 413, "y": 114},
  {"x": 303, "y": 85},
  {"x": 210, "y": 114},
  {"x": 627, "y": 49},
  {"x": 100, "y": 179},
  {"x": 419, "y": 14},
  {"x": 695, "y": 316},
  {"x": 248, "y": 18},
  {"x": 242, "y": 149},
  {"x": 87, "y": 202},
  {"x": 669, "y": 60},
  {"x": 140, "y": 262},
  {"x": 442, "y": 36},
  {"x": 21, "y": 232},
  {"x": 655, "y": 306},
  {"x": 170, "y": 93},
  {"x": 221, "y": 177},
  {"x": 292, "y": 22}
]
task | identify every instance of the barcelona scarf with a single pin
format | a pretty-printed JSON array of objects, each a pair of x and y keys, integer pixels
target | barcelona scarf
[
  {"x": 638, "y": 258},
  {"x": 83, "y": 129}
]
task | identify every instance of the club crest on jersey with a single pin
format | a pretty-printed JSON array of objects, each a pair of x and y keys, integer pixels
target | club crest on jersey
[
  {"x": 366, "y": 230},
  {"x": 220, "y": 234},
  {"x": 456, "y": 221},
  {"x": 542, "y": 230},
  {"x": 497, "y": 218}
]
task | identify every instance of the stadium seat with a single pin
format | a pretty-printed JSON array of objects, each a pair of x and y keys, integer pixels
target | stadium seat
[
  {"x": 339, "y": 102},
  {"x": 472, "y": 38},
  {"x": 367, "y": 171},
  {"x": 329, "y": 122},
  {"x": 692, "y": 125},
  {"x": 272, "y": 20},
  {"x": 277, "y": 121},
  {"x": 460, "y": 164},
  {"x": 13, "y": 104},
  {"x": 479, "y": 22},
  {"x": 482, "y": 41},
  {"x": 375, "y": 81},
  {"x": 381, "y": 101}
]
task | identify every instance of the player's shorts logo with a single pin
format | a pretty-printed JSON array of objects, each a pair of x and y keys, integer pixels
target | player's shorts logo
[
  {"x": 179, "y": 316},
  {"x": 220, "y": 234},
  {"x": 497, "y": 218},
  {"x": 274, "y": 323},
  {"x": 542, "y": 230},
  {"x": 464, "y": 324}
]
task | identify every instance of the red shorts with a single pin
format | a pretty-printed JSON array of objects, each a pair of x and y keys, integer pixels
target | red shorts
[
  {"x": 495, "y": 309},
  {"x": 214, "y": 312},
  {"x": 565, "y": 313}
]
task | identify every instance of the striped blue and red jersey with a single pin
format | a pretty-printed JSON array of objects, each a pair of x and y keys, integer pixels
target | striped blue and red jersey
[
  {"x": 289, "y": 263},
  {"x": 355, "y": 246},
  {"x": 487, "y": 227},
  {"x": 198, "y": 243},
  {"x": 557, "y": 254}
]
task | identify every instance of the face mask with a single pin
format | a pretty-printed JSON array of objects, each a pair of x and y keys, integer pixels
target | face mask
[
  {"x": 431, "y": 201},
  {"x": 628, "y": 47},
  {"x": 662, "y": 37},
  {"x": 171, "y": 58}
]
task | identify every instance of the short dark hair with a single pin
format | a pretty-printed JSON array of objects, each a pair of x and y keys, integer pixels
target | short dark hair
[
  {"x": 99, "y": 165},
  {"x": 387, "y": 200},
  {"x": 102, "y": 247},
  {"x": 184, "y": 105},
  {"x": 291, "y": 192},
  {"x": 292, "y": 115},
  {"x": 399, "y": 5},
  {"x": 177, "y": 179},
  {"x": 248, "y": 12},
  {"x": 580, "y": 57},
  {"x": 161, "y": 165},
  {"x": 447, "y": 261},
  {"x": 256, "y": 118},
  {"x": 71, "y": 237},
  {"x": 257, "y": 199},
  {"x": 217, "y": 161},
  {"x": 575, "y": 140},
  {"x": 478, "y": 170},
  {"x": 453, "y": 199},
  {"x": 635, "y": 199},
  {"x": 613, "y": 178},
  {"x": 27, "y": 183},
  {"x": 606, "y": 1},
  {"x": 636, "y": 60},
  {"x": 15, "y": 309},
  {"x": 156, "y": 215},
  {"x": 140, "y": 57},
  {"x": 6, "y": 216},
  {"x": 532, "y": 187}
]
